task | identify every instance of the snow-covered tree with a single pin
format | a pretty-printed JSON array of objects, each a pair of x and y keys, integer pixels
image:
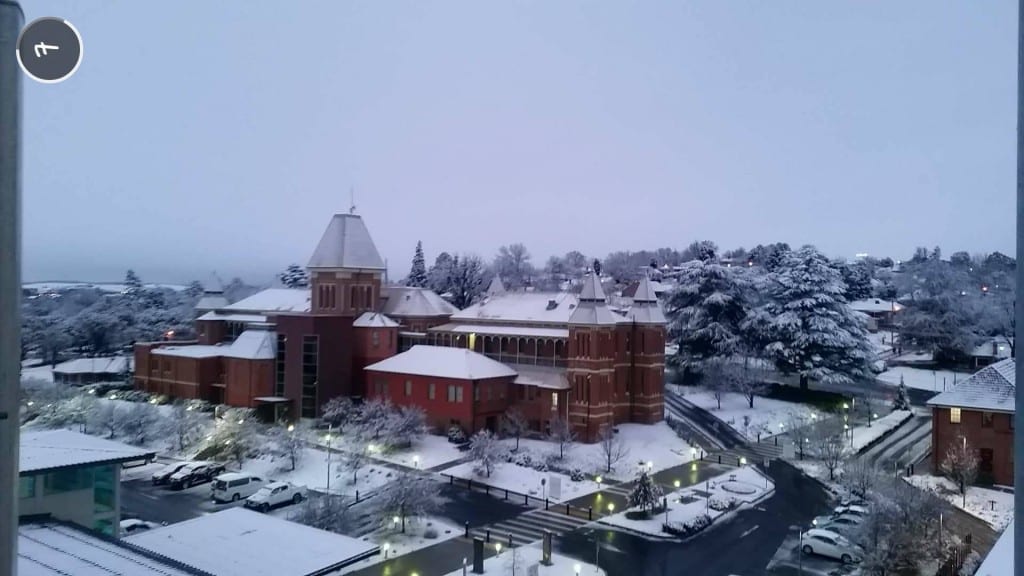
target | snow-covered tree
[
  {"x": 513, "y": 265},
  {"x": 701, "y": 250},
  {"x": 826, "y": 438},
  {"x": 194, "y": 289},
  {"x": 439, "y": 277},
  {"x": 132, "y": 283},
  {"x": 339, "y": 412},
  {"x": 467, "y": 280},
  {"x": 960, "y": 464},
  {"x": 859, "y": 477},
  {"x": 324, "y": 511},
  {"x": 418, "y": 273},
  {"x": 373, "y": 421},
  {"x": 294, "y": 276},
  {"x": 613, "y": 448},
  {"x": 806, "y": 327},
  {"x": 514, "y": 424},
  {"x": 106, "y": 418},
  {"x": 857, "y": 278},
  {"x": 354, "y": 459},
  {"x": 646, "y": 495},
  {"x": 140, "y": 421},
  {"x": 288, "y": 443},
  {"x": 407, "y": 498},
  {"x": 74, "y": 411},
  {"x": 902, "y": 399},
  {"x": 562, "y": 434},
  {"x": 235, "y": 435},
  {"x": 406, "y": 425},
  {"x": 185, "y": 425},
  {"x": 485, "y": 451},
  {"x": 575, "y": 262},
  {"x": 596, "y": 266}
]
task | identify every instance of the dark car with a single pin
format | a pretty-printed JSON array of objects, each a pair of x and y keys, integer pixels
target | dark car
[
  {"x": 195, "y": 473},
  {"x": 163, "y": 475}
]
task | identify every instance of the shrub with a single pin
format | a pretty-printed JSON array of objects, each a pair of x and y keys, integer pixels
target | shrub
[
  {"x": 540, "y": 466},
  {"x": 430, "y": 533},
  {"x": 723, "y": 504},
  {"x": 688, "y": 528},
  {"x": 576, "y": 475}
]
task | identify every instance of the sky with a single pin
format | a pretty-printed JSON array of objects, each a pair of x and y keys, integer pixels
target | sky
[{"x": 202, "y": 136}]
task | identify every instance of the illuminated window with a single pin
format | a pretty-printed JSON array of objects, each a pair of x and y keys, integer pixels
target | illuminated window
[
  {"x": 430, "y": 391},
  {"x": 954, "y": 415},
  {"x": 554, "y": 400}
]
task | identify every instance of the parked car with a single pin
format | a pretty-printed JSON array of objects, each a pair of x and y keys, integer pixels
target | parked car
[
  {"x": 134, "y": 526},
  {"x": 830, "y": 544},
  {"x": 843, "y": 524},
  {"x": 195, "y": 473},
  {"x": 163, "y": 475},
  {"x": 276, "y": 494},
  {"x": 851, "y": 510},
  {"x": 234, "y": 486}
]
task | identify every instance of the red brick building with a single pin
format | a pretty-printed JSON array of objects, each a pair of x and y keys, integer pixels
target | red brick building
[
  {"x": 288, "y": 351},
  {"x": 981, "y": 410}
]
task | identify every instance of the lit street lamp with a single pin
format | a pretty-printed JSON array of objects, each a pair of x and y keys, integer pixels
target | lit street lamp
[
  {"x": 385, "y": 548},
  {"x": 611, "y": 507},
  {"x": 497, "y": 547},
  {"x": 330, "y": 428},
  {"x": 416, "y": 461},
  {"x": 577, "y": 568}
]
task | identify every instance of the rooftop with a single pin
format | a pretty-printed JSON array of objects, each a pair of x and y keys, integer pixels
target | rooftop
[
  {"x": 58, "y": 549},
  {"x": 239, "y": 541},
  {"x": 999, "y": 561},
  {"x": 542, "y": 377},
  {"x": 525, "y": 307},
  {"x": 190, "y": 351},
  {"x": 443, "y": 362},
  {"x": 44, "y": 450},
  {"x": 503, "y": 330},
  {"x": 253, "y": 345},
  {"x": 875, "y": 305},
  {"x": 108, "y": 365},
  {"x": 593, "y": 308},
  {"x": 211, "y": 302},
  {"x": 991, "y": 389},
  {"x": 273, "y": 300},
  {"x": 412, "y": 301},
  {"x": 346, "y": 244},
  {"x": 229, "y": 317},
  {"x": 374, "y": 320}
]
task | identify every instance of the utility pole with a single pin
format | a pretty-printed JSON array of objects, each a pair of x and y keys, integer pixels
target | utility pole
[
  {"x": 11, "y": 21},
  {"x": 1018, "y": 416}
]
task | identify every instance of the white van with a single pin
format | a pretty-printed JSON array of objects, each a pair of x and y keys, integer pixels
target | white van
[{"x": 234, "y": 486}]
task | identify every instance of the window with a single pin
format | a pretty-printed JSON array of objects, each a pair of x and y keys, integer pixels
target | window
[
  {"x": 282, "y": 345},
  {"x": 986, "y": 419},
  {"x": 67, "y": 480},
  {"x": 458, "y": 394},
  {"x": 954, "y": 415},
  {"x": 375, "y": 338},
  {"x": 451, "y": 393},
  {"x": 408, "y": 387},
  {"x": 27, "y": 487},
  {"x": 554, "y": 400},
  {"x": 430, "y": 391},
  {"x": 476, "y": 392},
  {"x": 310, "y": 369},
  {"x": 104, "y": 483}
]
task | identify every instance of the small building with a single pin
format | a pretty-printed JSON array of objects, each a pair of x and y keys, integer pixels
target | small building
[
  {"x": 84, "y": 371},
  {"x": 48, "y": 547},
  {"x": 884, "y": 313},
  {"x": 999, "y": 561},
  {"x": 991, "y": 351},
  {"x": 74, "y": 477},
  {"x": 981, "y": 410},
  {"x": 240, "y": 541}
]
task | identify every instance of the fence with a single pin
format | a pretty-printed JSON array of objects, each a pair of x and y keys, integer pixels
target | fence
[
  {"x": 958, "y": 555},
  {"x": 525, "y": 499}
]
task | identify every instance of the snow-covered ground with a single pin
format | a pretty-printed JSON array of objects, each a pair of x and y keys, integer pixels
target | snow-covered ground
[
  {"x": 427, "y": 452},
  {"x": 311, "y": 472},
  {"x": 915, "y": 357},
  {"x": 414, "y": 539},
  {"x": 765, "y": 417},
  {"x": 922, "y": 378},
  {"x": 529, "y": 555},
  {"x": 864, "y": 435},
  {"x": 746, "y": 485},
  {"x": 44, "y": 372},
  {"x": 104, "y": 286},
  {"x": 992, "y": 506},
  {"x": 508, "y": 476},
  {"x": 881, "y": 342}
]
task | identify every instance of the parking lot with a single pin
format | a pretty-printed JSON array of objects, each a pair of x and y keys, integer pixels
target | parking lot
[
  {"x": 788, "y": 561},
  {"x": 140, "y": 499}
]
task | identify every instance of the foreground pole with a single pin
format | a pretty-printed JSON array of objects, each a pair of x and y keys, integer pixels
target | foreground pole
[
  {"x": 11, "y": 20},
  {"x": 1018, "y": 416}
]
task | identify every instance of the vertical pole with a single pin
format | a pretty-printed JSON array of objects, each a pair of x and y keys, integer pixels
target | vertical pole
[
  {"x": 11, "y": 19},
  {"x": 1018, "y": 441}
]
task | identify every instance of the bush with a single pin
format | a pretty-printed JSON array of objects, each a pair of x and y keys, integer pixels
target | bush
[
  {"x": 723, "y": 504},
  {"x": 688, "y": 528},
  {"x": 430, "y": 533},
  {"x": 637, "y": 514},
  {"x": 576, "y": 475}
]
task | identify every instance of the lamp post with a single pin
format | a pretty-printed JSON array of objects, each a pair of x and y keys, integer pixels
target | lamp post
[
  {"x": 576, "y": 567},
  {"x": 497, "y": 548},
  {"x": 330, "y": 428},
  {"x": 416, "y": 460},
  {"x": 385, "y": 548},
  {"x": 611, "y": 508},
  {"x": 463, "y": 567}
]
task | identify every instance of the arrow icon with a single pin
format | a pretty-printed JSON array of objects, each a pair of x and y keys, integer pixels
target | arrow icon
[{"x": 43, "y": 47}]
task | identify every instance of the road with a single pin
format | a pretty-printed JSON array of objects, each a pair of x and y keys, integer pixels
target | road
[{"x": 904, "y": 446}]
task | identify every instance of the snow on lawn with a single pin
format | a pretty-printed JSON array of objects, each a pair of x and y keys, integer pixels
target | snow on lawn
[
  {"x": 655, "y": 443},
  {"x": 530, "y": 555},
  {"x": 979, "y": 500},
  {"x": 311, "y": 472},
  {"x": 141, "y": 472},
  {"x": 764, "y": 418},
  {"x": 44, "y": 372},
  {"x": 508, "y": 476},
  {"x": 744, "y": 485},
  {"x": 922, "y": 378},
  {"x": 427, "y": 452},
  {"x": 864, "y": 435},
  {"x": 419, "y": 534}
]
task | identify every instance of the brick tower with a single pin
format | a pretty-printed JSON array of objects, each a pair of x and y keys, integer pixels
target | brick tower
[
  {"x": 591, "y": 365},
  {"x": 640, "y": 362}
]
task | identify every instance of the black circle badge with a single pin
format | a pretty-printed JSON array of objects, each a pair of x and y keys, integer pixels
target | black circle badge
[{"x": 49, "y": 50}]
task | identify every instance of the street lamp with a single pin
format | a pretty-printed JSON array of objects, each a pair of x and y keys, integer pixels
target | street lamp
[
  {"x": 598, "y": 480},
  {"x": 611, "y": 507},
  {"x": 497, "y": 547},
  {"x": 291, "y": 427},
  {"x": 676, "y": 483},
  {"x": 385, "y": 548},
  {"x": 577, "y": 568},
  {"x": 650, "y": 465},
  {"x": 330, "y": 428},
  {"x": 416, "y": 461},
  {"x": 463, "y": 567}
]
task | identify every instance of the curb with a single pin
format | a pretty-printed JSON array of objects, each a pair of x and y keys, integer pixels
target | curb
[{"x": 890, "y": 432}]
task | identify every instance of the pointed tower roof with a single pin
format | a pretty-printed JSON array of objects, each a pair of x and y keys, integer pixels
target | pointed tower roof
[
  {"x": 645, "y": 309},
  {"x": 346, "y": 244},
  {"x": 496, "y": 286},
  {"x": 593, "y": 307},
  {"x": 213, "y": 285}
]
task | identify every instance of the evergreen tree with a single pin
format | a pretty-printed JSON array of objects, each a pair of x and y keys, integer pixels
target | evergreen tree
[
  {"x": 418, "y": 273},
  {"x": 646, "y": 494},
  {"x": 806, "y": 327},
  {"x": 439, "y": 278},
  {"x": 467, "y": 280},
  {"x": 294, "y": 276},
  {"x": 597, "y": 267},
  {"x": 902, "y": 400},
  {"x": 857, "y": 277},
  {"x": 132, "y": 283}
]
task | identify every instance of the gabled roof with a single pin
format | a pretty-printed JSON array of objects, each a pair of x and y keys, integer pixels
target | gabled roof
[
  {"x": 44, "y": 450},
  {"x": 208, "y": 302},
  {"x": 105, "y": 365},
  {"x": 443, "y": 362},
  {"x": 592, "y": 291},
  {"x": 411, "y": 301},
  {"x": 645, "y": 313},
  {"x": 346, "y": 244},
  {"x": 374, "y": 320},
  {"x": 253, "y": 344},
  {"x": 521, "y": 307},
  {"x": 875, "y": 305},
  {"x": 496, "y": 286},
  {"x": 998, "y": 347},
  {"x": 593, "y": 308},
  {"x": 213, "y": 285},
  {"x": 273, "y": 300},
  {"x": 991, "y": 389},
  {"x": 644, "y": 291}
]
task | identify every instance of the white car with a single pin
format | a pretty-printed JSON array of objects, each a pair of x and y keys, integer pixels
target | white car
[
  {"x": 276, "y": 494},
  {"x": 830, "y": 544},
  {"x": 858, "y": 511},
  {"x": 843, "y": 524},
  {"x": 134, "y": 526}
]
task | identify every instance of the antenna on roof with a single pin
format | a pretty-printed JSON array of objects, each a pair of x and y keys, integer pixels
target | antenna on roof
[{"x": 352, "y": 200}]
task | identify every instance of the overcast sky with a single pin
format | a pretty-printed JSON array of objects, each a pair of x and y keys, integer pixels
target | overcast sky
[{"x": 222, "y": 135}]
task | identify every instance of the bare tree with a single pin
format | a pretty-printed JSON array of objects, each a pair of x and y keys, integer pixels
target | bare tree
[
  {"x": 106, "y": 418},
  {"x": 340, "y": 411},
  {"x": 613, "y": 448},
  {"x": 749, "y": 383},
  {"x": 720, "y": 376},
  {"x": 139, "y": 421},
  {"x": 859, "y": 477},
  {"x": 797, "y": 424},
  {"x": 961, "y": 464},
  {"x": 826, "y": 439},
  {"x": 900, "y": 531},
  {"x": 184, "y": 425},
  {"x": 407, "y": 497},
  {"x": 514, "y": 424},
  {"x": 354, "y": 460},
  {"x": 324, "y": 511},
  {"x": 485, "y": 450},
  {"x": 288, "y": 442},
  {"x": 562, "y": 434}
]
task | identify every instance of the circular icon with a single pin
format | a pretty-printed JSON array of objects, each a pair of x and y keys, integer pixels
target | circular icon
[{"x": 49, "y": 50}]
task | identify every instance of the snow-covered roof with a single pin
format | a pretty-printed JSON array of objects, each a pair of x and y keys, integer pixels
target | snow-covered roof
[
  {"x": 105, "y": 365},
  {"x": 253, "y": 345},
  {"x": 240, "y": 541},
  {"x": 273, "y": 300},
  {"x": 227, "y": 317},
  {"x": 59, "y": 549},
  {"x": 999, "y": 561},
  {"x": 443, "y": 362},
  {"x": 507, "y": 330},
  {"x": 192, "y": 351},
  {"x": 593, "y": 308},
  {"x": 541, "y": 377},
  {"x": 49, "y": 449},
  {"x": 648, "y": 288},
  {"x": 412, "y": 301},
  {"x": 495, "y": 287},
  {"x": 875, "y": 305},
  {"x": 374, "y": 320},
  {"x": 346, "y": 244},
  {"x": 993, "y": 348},
  {"x": 525, "y": 307},
  {"x": 213, "y": 284},
  {"x": 211, "y": 302},
  {"x": 645, "y": 313},
  {"x": 990, "y": 389}
]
